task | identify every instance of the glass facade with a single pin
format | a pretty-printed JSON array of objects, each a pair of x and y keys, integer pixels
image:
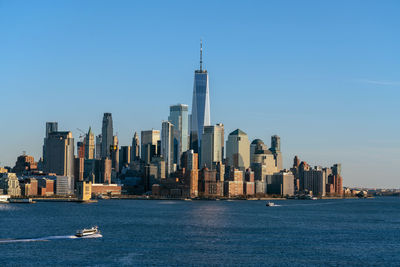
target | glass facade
[
  {"x": 178, "y": 116},
  {"x": 200, "y": 108}
]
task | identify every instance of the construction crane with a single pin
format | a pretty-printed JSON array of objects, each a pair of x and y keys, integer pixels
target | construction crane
[{"x": 82, "y": 135}]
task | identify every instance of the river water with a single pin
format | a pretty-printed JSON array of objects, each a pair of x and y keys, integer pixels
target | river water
[{"x": 356, "y": 232}]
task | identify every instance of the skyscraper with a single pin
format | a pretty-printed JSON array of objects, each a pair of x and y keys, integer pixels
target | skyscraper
[
  {"x": 178, "y": 116},
  {"x": 276, "y": 150},
  {"x": 238, "y": 150},
  {"x": 89, "y": 145},
  {"x": 135, "y": 147},
  {"x": 167, "y": 146},
  {"x": 212, "y": 146},
  {"x": 98, "y": 146},
  {"x": 200, "y": 105},
  {"x": 149, "y": 141},
  {"x": 50, "y": 127},
  {"x": 107, "y": 135},
  {"x": 60, "y": 153}
]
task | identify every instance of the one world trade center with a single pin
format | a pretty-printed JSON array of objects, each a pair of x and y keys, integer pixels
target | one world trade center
[{"x": 200, "y": 105}]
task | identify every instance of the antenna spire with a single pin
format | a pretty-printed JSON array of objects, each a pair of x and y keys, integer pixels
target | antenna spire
[{"x": 201, "y": 55}]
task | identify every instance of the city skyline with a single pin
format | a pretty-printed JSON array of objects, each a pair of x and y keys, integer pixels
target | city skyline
[{"x": 323, "y": 113}]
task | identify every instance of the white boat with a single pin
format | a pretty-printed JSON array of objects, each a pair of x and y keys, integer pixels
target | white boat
[
  {"x": 4, "y": 198},
  {"x": 85, "y": 232},
  {"x": 270, "y": 204}
]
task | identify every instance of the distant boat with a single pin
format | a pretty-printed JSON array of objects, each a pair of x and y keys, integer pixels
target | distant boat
[
  {"x": 21, "y": 200},
  {"x": 270, "y": 204},
  {"x": 86, "y": 232},
  {"x": 314, "y": 198}
]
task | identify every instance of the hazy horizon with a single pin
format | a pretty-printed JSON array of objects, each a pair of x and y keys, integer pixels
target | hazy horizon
[{"x": 323, "y": 76}]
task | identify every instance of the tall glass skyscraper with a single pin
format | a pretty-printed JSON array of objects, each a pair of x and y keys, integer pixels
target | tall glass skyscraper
[
  {"x": 200, "y": 106},
  {"x": 107, "y": 136},
  {"x": 178, "y": 116}
]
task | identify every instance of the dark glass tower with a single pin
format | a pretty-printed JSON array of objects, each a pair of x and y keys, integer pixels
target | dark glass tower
[
  {"x": 200, "y": 105},
  {"x": 107, "y": 136}
]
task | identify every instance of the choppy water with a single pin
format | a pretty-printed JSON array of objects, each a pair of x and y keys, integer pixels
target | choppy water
[{"x": 356, "y": 232}]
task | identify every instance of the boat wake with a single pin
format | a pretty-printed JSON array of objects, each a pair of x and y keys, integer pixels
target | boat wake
[{"x": 49, "y": 238}]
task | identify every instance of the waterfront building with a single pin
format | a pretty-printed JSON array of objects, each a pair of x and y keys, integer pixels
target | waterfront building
[
  {"x": 234, "y": 186},
  {"x": 167, "y": 146},
  {"x": 60, "y": 153},
  {"x": 208, "y": 184},
  {"x": 238, "y": 150},
  {"x": 249, "y": 185},
  {"x": 106, "y": 189},
  {"x": 9, "y": 184},
  {"x": 149, "y": 144},
  {"x": 200, "y": 116},
  {"x": 281, "y": 183},
  {"x": 103, "y": 171},
  {"x": 135, "y": 147},
  {"x": 89, "y": 145},
  {"x": 64, "y": 185},
  {"x": 212, "y": 145},
  {"x": 107, "y": 135},
  {"x": 314, "y": 180},
  {"x": 29, "y": 187},
  {"x": 84, "y": 190},
  {"x": 178, "y": 116},
  {"x": 45, "y": 187}
]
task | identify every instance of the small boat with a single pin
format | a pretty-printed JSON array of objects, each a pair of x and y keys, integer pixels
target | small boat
[
  {"x": 4, "y": 198},
  {"x": 85, "y": 232},
  {"x": 270, "y": 204},
  {"x": 314, "y": 198}
]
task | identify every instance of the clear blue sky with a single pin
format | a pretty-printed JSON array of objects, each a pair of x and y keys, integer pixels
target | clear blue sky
[{"x": 324, "y": 75}]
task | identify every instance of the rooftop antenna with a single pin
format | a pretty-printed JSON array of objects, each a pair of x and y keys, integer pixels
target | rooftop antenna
[{"x": 201, "y": 55}]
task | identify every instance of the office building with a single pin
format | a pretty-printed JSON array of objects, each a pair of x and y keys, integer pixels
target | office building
[
  {"x": 178, "y": 116},
  {"x": 50, "y": 127},
  {"x": 262, "y": 160},
  {"x": 238, "y": 150},
  {"x": 200, "y": 116},
  {"x": 64, "y": 185},
  {"x": 281, "y": 183},
  {"x": 89, "y": 145},
  {"x": 135, "y": 147},
  {"x": 60, "y": 153},
  {"x": 149, "y": 148},
  {"x": 314, "y": 180},
  {"x": 276, "y": 151},
  {"x": 167, "y": 146},
  {"x": 124, "y": 156},
  {"x": 212, "y": 146},
  {"x": 98, "y": 146},
  {"x": 107, "y": 135}
]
